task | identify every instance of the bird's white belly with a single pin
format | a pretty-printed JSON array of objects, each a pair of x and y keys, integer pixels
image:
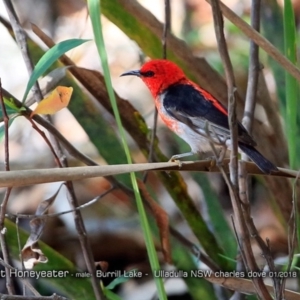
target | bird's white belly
[{"x": 198, "y": 142}]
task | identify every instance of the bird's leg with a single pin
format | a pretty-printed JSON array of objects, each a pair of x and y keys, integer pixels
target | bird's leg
[
  {"x": 216, "y": 156},
  {"x": 222, "y": 154},
  {"x": 178, "y": 156},
  {"x": 220, "y": 157}
]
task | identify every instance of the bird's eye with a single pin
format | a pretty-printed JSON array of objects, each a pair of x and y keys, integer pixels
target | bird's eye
[{"x": 148, "y": 74}]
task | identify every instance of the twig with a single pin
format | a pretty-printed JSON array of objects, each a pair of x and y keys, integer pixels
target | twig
[
  {"x": 43, "y": 135},
  {"x": 167, "y": 27},
  {"x": 254, "y": 69},
  {"x": 83, "y": 239},
  {"x": 219, "y": 25},
  {"x": 194, "y": 249},
  {"x": 243, "y": 236},
  {"x": 87, "y": 204},
  {"x": 246, "y": 222},
  {"x": 249, "y": 109},
  {"x": 240, "y": 265},
  {"x": 254, "y": 233},
  {"x": 240, "y": 246}
]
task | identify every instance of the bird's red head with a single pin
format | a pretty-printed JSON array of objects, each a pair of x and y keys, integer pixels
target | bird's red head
[{"x": 158, "y": 75}]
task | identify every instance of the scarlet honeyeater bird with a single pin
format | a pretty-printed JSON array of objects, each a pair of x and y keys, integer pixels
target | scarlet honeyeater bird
[{"x": 193, "y": 113}]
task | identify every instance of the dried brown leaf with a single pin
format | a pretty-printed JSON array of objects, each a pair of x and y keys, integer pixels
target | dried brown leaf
[
  {"x": 58, "y": 99},
  {"x": 31, "y": 252}
]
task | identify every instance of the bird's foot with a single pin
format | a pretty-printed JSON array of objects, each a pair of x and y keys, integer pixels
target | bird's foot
[
  {"x": 175, "y": 158},
  {"x": 178, "y": 156}
]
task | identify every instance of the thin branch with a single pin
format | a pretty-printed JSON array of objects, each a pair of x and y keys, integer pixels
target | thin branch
[
  {"x": 85, "y": 205},
  {"x": 246, "y": 209},
  {"x": 231, "y": 88},
  {"x": 194, "y": 249},
  {"x": 167, "y": 27},
  {"x": 243, "y": 212},
  {"x": 254, "y": 69},
  {"x": 248, "y": 117},
  {"x": 240, "y": 245},
  {"x": 83, "y": 238},
  {"x": 43, "y": 135},
  {"x": 243, "y": 235},
  {"x": 240, "y": 265}
]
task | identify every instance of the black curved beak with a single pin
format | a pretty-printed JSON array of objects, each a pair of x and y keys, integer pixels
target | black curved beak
[{"x": 135, "y": 73}]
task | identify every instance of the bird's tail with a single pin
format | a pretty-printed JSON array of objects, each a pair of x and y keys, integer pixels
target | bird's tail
[{"x": 265, "y": 165}]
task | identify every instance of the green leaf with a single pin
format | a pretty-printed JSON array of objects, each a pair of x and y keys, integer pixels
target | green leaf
[
  {"x": 9, "y": 111},
  {"x": 291, "y": 84},
  {"x": 11, "y": 108},
  {"x": 49, "y": 58},
  {"x": 119, "y": 280}
]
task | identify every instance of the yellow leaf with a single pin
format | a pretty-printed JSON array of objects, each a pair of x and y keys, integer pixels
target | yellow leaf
[{"x": 58, "y": 99}]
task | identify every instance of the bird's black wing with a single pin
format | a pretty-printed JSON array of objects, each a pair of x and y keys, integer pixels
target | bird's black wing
[{"x": 189, "y": 105}]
